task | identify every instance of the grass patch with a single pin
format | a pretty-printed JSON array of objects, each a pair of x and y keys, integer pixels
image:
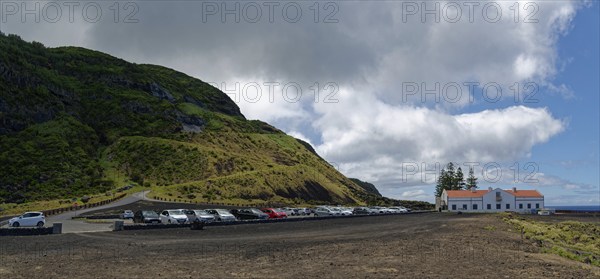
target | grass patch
[
  {"x": 573, "y": 240},
  {"x": 489, "y": 228}
]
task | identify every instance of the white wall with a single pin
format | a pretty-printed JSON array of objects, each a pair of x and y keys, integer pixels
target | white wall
[
  {"x": 460, "y": 202},
  {"x": 532, "y": 201},
  {"x": 490, "y": 198}
]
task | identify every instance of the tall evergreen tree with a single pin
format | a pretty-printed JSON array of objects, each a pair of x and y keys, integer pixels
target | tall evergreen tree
[
  {"x": 453, "y": 179},
  {"x": 439, "y": 187},
  {"x": 471, "y": 180},
  {"x": 448, "y": 180},
  {"x": 459, "y": 180}
]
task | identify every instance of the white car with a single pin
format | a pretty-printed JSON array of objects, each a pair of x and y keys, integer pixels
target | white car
[
  {"x": 28, "y": 219},
  {"x": 290, "y": 211},
  {"x": 345, "y": 211},
  {"x": 127, "y": 214},
  {"x": 173, "y": 216},
  {"x": 394, "y": 210},
  {"x": 304, "y": 211},
  {"x": 326, "y": 211},
  {"x": 379, "y": 209}
]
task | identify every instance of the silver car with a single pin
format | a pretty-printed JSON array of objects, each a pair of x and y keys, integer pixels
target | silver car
[
  {"x": 326, "y": 211},
  {"x": 222, "y": 215},
  {"x": 199, "y": 215}
]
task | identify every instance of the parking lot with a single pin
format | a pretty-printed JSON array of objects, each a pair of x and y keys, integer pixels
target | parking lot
[
  {"x": 386, "y": 246},
  {"x": 103, "y": 218}
]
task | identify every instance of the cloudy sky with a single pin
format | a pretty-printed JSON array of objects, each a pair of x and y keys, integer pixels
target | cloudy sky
[{"x": 387, "y": 91}]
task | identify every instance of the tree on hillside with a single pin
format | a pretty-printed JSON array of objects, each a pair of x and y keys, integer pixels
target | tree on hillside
[{"x": 471, "y": 180}]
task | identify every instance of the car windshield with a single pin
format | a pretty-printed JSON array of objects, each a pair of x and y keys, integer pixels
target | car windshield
[
  {"x": 175, "y": 212},
  {"x": 223, "y": 212},
  {"x": 201, "y": 212},
  {"x": 254, "y": 210}
]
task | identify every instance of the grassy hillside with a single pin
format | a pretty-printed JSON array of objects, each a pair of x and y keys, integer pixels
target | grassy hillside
[
  {"x": 75, "y": 121},
  {"x": 570, "y": 239}
]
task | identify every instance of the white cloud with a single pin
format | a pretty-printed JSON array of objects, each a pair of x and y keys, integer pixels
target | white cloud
[
  {"x": 414, "y": 195},
  {"x": 370, "y": 53},
  {"x": 377, "y": 140}
]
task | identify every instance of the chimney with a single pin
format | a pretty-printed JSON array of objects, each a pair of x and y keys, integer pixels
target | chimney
[
  {"x": 490, "y": 189},
  {"x": 514, "y": 189},
  {"x": 473, "y": 190}
]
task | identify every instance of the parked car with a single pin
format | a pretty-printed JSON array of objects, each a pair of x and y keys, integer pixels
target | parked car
[
  {"x": 222, "y": 215},
  {"x": 146, "y": 217},
  {"x": 290, "y": 211},
  {"x": 274, "y": 213},
  {"x": 127, "y": 214},
  {"x": 326, "y": 211},
  {"x": 249, "y": 214},
  {"x": 345, "y": 211},
  {"x": 362, "y": 211},
  {"x": 281, "y": 212},
  {"x": 199, "y": 216},
  {"x": 173, "y": 216},
  {"x": 399, "y": 209},
  {"x": 28, "y": 219},
  {"x": 393, "y": 210},
  {"x": 304, "y": 211},
  {"x": 379, "y": 209}
]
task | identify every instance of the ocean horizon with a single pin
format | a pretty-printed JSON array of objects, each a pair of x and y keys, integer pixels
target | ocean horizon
[{"x": 595, "y": 208}]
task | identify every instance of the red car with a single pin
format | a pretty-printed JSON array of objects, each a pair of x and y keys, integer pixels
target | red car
[{"x": 274, "y": 213}]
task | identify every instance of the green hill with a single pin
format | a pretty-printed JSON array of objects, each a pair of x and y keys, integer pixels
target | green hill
[{"x": 75, "y": 121}]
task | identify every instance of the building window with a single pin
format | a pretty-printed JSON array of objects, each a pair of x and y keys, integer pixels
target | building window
[
  {"x": 474, "y": 207},
  {"x": 528, "y": 206},
  {"x": 498, "y": 206},
  {"x": 489, "y": 206},
  {"x": 537, "y": 205},
  {"x": 520, "y": 206},
  {"x": 464, "y": 207},
  {"x": 454, "y": 207},
  {"x": 508, "y": 206}
]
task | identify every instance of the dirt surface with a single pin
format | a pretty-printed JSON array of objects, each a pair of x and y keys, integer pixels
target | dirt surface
[{"x": 428, "y": 245}]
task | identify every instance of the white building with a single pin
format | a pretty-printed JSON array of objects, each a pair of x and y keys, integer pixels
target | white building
[{"x": 492, "y": 200}]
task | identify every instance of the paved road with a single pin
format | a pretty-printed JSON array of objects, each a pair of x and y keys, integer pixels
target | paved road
[
  {"x": 77, "y": 226},
  {"x": 69, "y": 215}
]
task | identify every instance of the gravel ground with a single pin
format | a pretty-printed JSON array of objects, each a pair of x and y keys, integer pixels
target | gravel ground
[{"x": 395, "y": 246}]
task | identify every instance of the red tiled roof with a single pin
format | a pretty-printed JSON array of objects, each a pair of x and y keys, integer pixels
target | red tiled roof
[
  {"x": 465, "y": 193},
  {"x": 525, "y": 193}
]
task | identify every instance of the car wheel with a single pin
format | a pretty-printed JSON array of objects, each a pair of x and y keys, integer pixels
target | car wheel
[
  {"x": 169, "y": 221},
  {"x": 40, "y": 224},
  {"x": 16, "y": 224}
]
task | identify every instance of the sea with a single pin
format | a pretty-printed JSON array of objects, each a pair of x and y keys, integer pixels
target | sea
[{"x": 581, "y": 208}]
